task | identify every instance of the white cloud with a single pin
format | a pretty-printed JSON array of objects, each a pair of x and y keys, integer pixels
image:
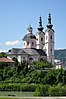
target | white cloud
[
  {"x": 3, "y": 50},
  {"x": 12, "y": 43},
  {"x": 60, "y": 48}
]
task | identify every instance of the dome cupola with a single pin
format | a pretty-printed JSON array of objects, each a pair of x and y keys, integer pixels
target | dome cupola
[
  {"x": 29, "y": 39},
  {"x": 29, "y": 34}
]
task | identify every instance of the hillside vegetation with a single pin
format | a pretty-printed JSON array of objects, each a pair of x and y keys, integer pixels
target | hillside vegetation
[{"x": 60, "y": 54}]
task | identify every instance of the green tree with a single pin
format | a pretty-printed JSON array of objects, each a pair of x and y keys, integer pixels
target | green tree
[
  {"x": 50, "y": 78},
  {"x": 2, "y": 54},
  {"x": 42, "y": 64}
]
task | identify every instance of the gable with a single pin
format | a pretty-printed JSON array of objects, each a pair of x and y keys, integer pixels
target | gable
[{"x": 22, "y": 52}]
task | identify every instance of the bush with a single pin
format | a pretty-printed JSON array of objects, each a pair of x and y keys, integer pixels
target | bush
[
  {"x": 57, "y": 90},
  {"x": 42, "y": 90},
  {"x": 62, "y": 91},
  {"x": 54, "y": 91}
]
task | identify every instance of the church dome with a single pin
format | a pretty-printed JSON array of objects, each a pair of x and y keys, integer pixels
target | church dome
[{"x": 29, "y": 36}]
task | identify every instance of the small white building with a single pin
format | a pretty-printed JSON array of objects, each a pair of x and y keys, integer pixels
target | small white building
[{"x": 58, "y": 64}]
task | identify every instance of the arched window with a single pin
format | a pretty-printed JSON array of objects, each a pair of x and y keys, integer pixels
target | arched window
[
  {"x": 42, "y": 39},
  {"x": 32, "y": 43},
  {"x": 31, "y": 58}
]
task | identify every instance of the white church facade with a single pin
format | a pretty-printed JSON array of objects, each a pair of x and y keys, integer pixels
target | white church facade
[{"x": 36, "y": 47}]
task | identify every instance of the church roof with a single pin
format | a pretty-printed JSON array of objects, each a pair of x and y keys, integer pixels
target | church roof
[
  {"x": 40, "y": 32},
  {"x": 48, "y": 30},
  {"x": 41, "y": 52},
  {"x": 27, "y": 51},
  {"x": 14, "y": 51},
  {"x": 29, "y": 36},
  {"x": 31, "y": 51}
]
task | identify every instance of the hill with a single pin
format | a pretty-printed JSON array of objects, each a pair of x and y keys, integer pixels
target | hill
[{"x": 60, "y": 54}]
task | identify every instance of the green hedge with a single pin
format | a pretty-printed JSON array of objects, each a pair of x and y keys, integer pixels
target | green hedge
[
  {"x": 46, "y": 90},
  {"x": 17, "y": 87}
]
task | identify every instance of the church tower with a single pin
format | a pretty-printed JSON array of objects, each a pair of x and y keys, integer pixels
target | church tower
[
  {"x": 40, "y": 36},
  {"x": 49, "y": 41}
]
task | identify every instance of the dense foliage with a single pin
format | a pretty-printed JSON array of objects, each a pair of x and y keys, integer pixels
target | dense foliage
[
  {"x": 42, "y": 64},
  {"x": 20, "y": 73}
]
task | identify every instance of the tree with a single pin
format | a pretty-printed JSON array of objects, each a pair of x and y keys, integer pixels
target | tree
[
  {"x": 2, "y": 54},
  {"x": 50, "y": 78},
  {"x": 42, "y": 64}
]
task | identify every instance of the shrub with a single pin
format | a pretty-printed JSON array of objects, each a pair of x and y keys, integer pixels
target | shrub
[
  {"x": 56, "y": 90},
  {"x": 42, "y": 90}
]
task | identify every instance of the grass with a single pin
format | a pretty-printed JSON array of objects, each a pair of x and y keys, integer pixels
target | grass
[
  {"x": 16, "y": 98},
  {"x": 16, "y": 94}
]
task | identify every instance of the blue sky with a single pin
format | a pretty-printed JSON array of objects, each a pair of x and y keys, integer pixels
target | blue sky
[{"x": 16, "y": 15}]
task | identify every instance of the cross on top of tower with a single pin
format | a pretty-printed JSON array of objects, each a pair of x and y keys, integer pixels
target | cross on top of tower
[{"x": 29, "y": 29}]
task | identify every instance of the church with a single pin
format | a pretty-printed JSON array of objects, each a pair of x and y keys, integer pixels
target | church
[{"x": 36, "y": 47}]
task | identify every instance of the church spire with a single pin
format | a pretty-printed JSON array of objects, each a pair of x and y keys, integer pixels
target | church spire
[
  {"x": 49, "y": 21},
  {"x": 29, "y": 29},
  {"x": 40, "y": 28}
]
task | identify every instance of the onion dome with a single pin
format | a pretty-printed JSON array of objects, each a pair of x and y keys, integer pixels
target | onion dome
[
  {"x": 49, "y": 25},
  {"x": 40, "y": 28}
]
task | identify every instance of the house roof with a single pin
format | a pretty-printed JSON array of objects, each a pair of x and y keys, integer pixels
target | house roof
[{"x": 6, "y": 60}]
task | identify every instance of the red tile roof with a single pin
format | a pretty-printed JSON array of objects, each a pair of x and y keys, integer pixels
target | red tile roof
[{"x": 6, "y": 60}]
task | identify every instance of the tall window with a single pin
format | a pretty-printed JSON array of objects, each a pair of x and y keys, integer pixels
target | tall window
[
  {"x": 24, "y": 44},
  {"x": 41, "y": 39},
  {"x": 37, "y": 39},
  {"x": 51, "y": 37},
  {"x": 51, "y": 48},
  {"x": 23, "y": 58},
  {"x": 27, "y": 43},
  {"x": 32, "y": 43},
  {"x": 45, "y": 49},
  {"x": 46, "y": 37}
]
